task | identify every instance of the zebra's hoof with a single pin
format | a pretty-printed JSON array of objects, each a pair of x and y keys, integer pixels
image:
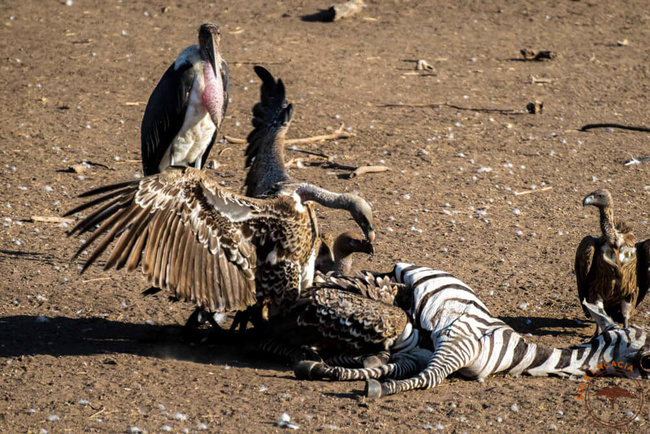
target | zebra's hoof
[
  {"x": 372, "y": 362},
  {"x": 303, "y": 369},
  {"x": 373, "y": 389}
]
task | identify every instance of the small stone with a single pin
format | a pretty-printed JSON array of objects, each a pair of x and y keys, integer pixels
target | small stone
[
  {"x": 180, "y": 416},
  {"x": 53, "y": 418}
]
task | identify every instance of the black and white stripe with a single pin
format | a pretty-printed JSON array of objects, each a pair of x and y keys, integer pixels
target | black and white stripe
[{"x": 465, "y": 337}]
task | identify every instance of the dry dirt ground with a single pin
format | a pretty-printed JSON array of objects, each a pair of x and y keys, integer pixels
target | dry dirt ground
[{"x": 89, "y": 353}]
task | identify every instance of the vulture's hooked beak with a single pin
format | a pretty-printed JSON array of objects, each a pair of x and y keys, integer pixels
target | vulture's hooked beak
[{"x": 589, "y": 200}]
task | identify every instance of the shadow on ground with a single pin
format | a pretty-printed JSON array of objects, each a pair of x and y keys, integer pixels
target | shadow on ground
[
  {"x": 543, "y": 326},
  {"x": 24, "y": 335}
]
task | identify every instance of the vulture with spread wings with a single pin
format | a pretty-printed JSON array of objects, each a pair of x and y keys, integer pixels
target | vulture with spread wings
[
  {"x": 205, "y": 244},
  {"x": 613, "y": 270}
]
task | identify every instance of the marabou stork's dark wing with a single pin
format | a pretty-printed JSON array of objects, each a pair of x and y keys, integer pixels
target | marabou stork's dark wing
[{"x": 165, "y": 114}]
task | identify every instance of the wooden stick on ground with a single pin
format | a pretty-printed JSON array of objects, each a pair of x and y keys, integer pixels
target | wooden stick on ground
[
  {"x": 620, "y": 126},
  {"x": 251, "y": 62},
  {"x": 539, "y": 190},
  {"x": 457, "y": 107},
  {"x": 368, "y": 169},
  {"x": 50, "y": 219},
  {"x": 340, "y": 133}
]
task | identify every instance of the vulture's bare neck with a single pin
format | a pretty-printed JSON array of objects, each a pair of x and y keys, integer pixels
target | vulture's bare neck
[
  {"x": 343, "y": 262},
  {"x": 608, "y": 227},
  {"x": 325, "y": 197}
]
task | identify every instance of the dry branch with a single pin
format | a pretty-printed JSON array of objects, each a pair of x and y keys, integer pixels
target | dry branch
[
  {"x": 368, "y": 169},
  {"x": 50, "y": 219},
  {"x": 619, "y": 126},
  {"x": 445, "y": 104},
  {"x": 340, "y": 133},
  {"x": 539, "y": 190}
]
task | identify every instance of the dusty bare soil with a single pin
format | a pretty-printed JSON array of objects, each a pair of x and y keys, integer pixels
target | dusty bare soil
[{"x": 89, "y": 353}]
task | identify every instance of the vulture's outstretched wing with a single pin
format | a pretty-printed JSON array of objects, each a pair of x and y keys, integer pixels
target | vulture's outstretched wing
[
  {"x": 165, "y": 114},
  {"x": 584, "y": 260},
  {"x": 189, "y": 235},
  {"x": 643, "y": 269},
  {"x": 265, "y": 154}
]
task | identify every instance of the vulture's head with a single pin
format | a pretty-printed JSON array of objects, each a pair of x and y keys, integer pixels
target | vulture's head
[
  {"x": 600, "y": 199},
  {"x": 362, "y": 214},
  {"x": 350, "y": 242}
]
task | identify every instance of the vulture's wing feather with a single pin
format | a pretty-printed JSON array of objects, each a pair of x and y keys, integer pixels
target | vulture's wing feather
[
  {"x": 187, "y": 234},
  {"x": 643, "y": 269},
  {"x": 165, "y": 114},
  {"x": 583, "y": 263},
  {"x": 359, "y": 321}
]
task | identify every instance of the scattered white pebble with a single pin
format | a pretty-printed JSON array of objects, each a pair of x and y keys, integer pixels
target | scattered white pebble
[
  {"x": 516, "y": 211},
  {"x": 48, "y": 188},
  {"x": 68, "y": 2},
  {"x": 180, "y": 416},
  {"x": 560, "y": 412},
  {"x": 499, "y": 419},
  {"x": 203, "y": 426},
  {"x": 285, "y": 422},
  {"x": 519, "y": 232},
  {"x": 515, "y": 408},
  {"x": 83, "y": 402},
  {"x": 53, "y": 418},
  {"x": 523, "y": 306},
  {"x": 166, "y": 428},
  {"x": 123, "y": 32},
  {"x": 490, "y": 292},
  {"x": 135, "y": 429}
]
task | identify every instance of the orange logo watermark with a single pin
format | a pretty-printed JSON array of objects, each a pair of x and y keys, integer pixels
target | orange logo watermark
[{"x": 613, "y": 396}]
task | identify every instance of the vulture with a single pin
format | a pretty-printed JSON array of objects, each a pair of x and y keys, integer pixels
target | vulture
[
  {"x": 613, "y": 270},
  {"x": 268, "y": 176},
  {"x": 187, "y": 107},
  {"x": 221, "y": 250},
  {"x": 336, "y": 255}
]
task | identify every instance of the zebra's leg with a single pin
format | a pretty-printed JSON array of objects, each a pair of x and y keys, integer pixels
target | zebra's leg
[
  {"x": 359, "y": 361},
  {"x": 403, "y": 365},
  {"x": 310, "y": 370},
  {"x": 449, "y": 356}
]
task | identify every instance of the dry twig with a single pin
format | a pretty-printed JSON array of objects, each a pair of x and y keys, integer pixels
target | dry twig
[
  {"x": 539, "y": 190},
  {"x": 445, "y": 104},
  {"x": 340, "y": 133},
  {"x": 619, "y": 126},
  {"x": 50, "y": 219},
  {"x": 368, "y": 169}
]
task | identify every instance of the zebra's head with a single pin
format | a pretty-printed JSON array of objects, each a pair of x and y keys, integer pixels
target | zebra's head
[{"x": 631, "y": 345}]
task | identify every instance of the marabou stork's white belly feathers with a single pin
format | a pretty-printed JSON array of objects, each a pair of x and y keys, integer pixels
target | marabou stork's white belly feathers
[{"x": 197, "y": 130}]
